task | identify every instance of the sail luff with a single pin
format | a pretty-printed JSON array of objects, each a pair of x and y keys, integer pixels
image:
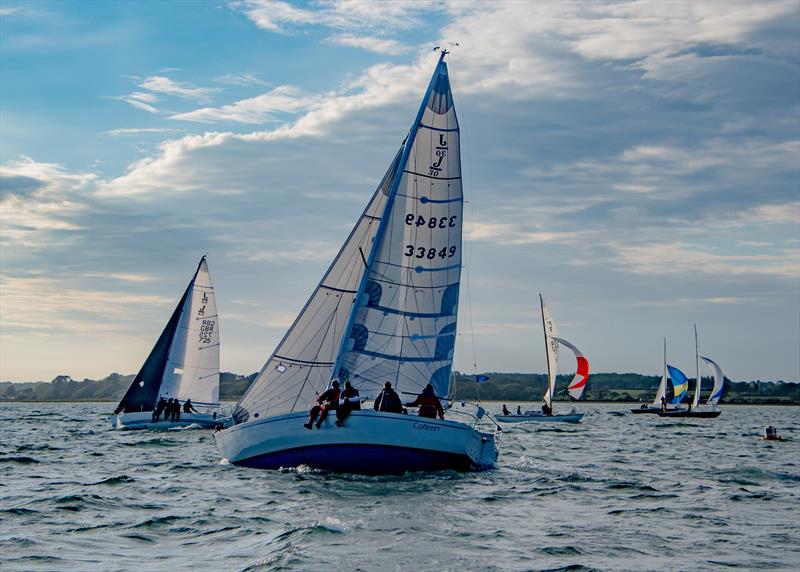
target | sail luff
[
  {"x": 662, "y": 387},
  {"x": 699, "y": 384},
  {"x": 548, "y": 325},
  {"x": 383, "y": 225}
]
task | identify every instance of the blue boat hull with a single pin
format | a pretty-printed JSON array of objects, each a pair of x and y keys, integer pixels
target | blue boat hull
[{"x": 362, "y": 460}]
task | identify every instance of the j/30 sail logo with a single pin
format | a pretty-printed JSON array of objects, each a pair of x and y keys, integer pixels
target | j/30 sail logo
[{"x": 441, "y": 153}]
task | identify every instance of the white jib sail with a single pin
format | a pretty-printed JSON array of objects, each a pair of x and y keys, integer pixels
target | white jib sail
[
  {"x": 192, "y": 369},
  {"x": 662, "y": 387},
  {"x": 719, "y": 380},
  {"x": 302, "y": 363},
  {"x": 551, "y": 346}
]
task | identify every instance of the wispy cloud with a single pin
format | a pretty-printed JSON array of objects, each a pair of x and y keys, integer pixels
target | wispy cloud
[
  {"x": 139, "y": 100},
  {"x": 259, "y": 109},
  {"x": 141, "y": 131},
  {"x": 162, "y": 84},
  {"x": 370, "y": 43},
  {"x": 242, "y": 79}
]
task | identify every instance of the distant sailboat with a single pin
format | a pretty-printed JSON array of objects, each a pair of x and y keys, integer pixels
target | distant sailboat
[
  {"x": 183, "y": 365},
  {"x": 575, "y": 389},
  {"x": 716, "y": 393},
  {"x": 384, "y": 312},
  {"x": 660, "y": 401}
]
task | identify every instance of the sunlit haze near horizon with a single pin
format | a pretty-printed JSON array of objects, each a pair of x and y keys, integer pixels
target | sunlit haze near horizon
[{"x": 638, "y": 163}]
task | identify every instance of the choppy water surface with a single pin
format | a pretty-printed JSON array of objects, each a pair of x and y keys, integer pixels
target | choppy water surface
[{"x": 617, "y": 492}]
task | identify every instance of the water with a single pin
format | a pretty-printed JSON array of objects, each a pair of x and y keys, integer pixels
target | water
[{"x": 616, "y": 492}]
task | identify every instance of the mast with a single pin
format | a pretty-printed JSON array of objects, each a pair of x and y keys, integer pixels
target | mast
[
  {"x": 547, "y": 395},
  {"x": 408, "y": 144}
]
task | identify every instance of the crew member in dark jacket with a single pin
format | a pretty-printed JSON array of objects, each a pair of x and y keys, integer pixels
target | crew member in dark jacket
[
  {"x": 160, "y": 406},
  {"x": 328, "y": 400},
  {"x": 388, "y": 400},
  {"x": 349, "y": 400},
  {"x": 428, "y": 403},
  {"x": 188, "y": 407}
]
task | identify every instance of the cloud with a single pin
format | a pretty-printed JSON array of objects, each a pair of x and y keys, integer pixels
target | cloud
[
  {"x": 8, "y": 11},
  {"x": 278, "y": 16},
  {"x": 141, "y": 131},
  {"x": 242, "y": 79},
  {"x": 259, "y": 109},
  {"x": 121, "y": 276},
  {"x": 51, "y": 306},
  {"x": 161, "y": 84},
  {"x": 683, "y": 258},
  {"x": 370, "y": 43},
  {"x": 139, "y": 101}
]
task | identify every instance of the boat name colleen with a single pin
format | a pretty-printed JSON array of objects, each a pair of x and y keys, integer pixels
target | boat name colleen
[{"x": 425, "y": 426}]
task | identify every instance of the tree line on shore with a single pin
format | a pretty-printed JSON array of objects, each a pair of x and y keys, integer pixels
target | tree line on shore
[{"x": 512, "y": 387}]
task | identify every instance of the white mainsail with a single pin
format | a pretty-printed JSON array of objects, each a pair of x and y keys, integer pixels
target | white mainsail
[
  {"x": 578, "y": 383},
  {"x": 192, "y": 368},
  {"x": 662, "y": 387},
  {"x": 551, "y": 347},
  {"x": 403, "y": 328},
  {"x": 699, "y": 383},
  {"x": 719, "y": 381}
]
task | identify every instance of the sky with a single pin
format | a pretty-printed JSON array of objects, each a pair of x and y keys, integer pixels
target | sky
[{"x": 638, "y": 163}]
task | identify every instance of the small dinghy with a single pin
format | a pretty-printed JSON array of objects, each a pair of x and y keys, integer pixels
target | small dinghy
[
  {"x": 716, "y": 393},
  {"x": 574, "y": 389},
  {"x": 384, "y": 312},
  {"x": 183, "y": 367},
  {"x": 771, "y": 434}
]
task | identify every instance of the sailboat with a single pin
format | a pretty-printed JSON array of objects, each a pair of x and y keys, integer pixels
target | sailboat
[
  {"x": 716, "y": 392},
  {"x": 183, "y": 365},
  {"x": 384, "y": 312},
  {"x": 659, "y": 402},
  {"x": 575, "y": 388}
]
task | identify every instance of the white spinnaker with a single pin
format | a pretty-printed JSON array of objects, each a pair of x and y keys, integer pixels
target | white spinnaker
[
  {"x": 719, "y": 380},
  {"x": 404, "y": 326},
  {"x": 302, "y": 363},
  {"x": 192, "y": 369},
  {"x": 662, "y": 387},
  {"x": 551, "y": 346}
]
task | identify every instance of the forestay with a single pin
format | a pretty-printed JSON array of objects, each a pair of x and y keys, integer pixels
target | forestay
[
  {"x": 719, "y": 381},
  {"x": 302, "y": 363},
  {"x": 551, "y": 347},
  {"x": 192, "y": 369},
  {"x": 404, "y": 324},
  {"x": 578, "y": 383}
]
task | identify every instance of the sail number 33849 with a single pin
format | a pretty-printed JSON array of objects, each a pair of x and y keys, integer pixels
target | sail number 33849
[{"x": 429, "y": 253}]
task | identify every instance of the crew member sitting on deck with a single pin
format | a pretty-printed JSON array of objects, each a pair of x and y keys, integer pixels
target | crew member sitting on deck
[
  {"x": 428, "y": 403},
  {"x": 349, "y": 400},
  {"x": 329, "y": 399},
  {"x": 505, "y": 410},
  {"x": 519, "y": 411},
  {"x": 388, "y": 400},
  {"x": 188, "y": 407},
  {"x": 547, "y": 410}
]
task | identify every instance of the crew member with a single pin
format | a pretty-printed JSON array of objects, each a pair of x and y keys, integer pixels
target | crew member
[
  {"x": 329, "y": 399},
  {"x": 429, "y": 405}
]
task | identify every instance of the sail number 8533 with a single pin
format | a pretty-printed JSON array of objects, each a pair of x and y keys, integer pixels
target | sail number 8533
[
  {"x": 429, "y": 253},
  {"x": 432, "y": 222}
]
